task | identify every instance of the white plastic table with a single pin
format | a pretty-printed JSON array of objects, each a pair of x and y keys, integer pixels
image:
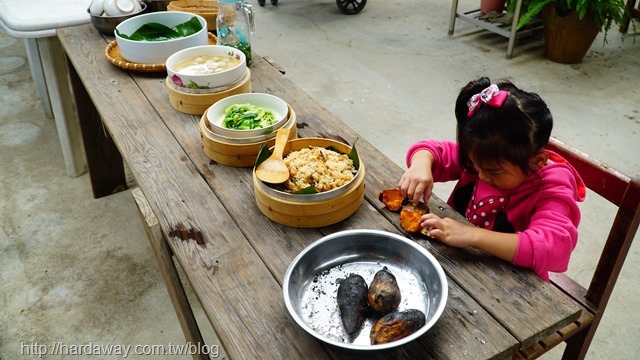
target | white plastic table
[{"x": 36, "y": 22}]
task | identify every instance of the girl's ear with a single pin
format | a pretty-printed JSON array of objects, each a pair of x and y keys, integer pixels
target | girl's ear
[{"x": 539, "y": 160}]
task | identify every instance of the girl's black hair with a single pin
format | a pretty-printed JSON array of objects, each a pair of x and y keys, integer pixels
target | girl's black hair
[{"x": 515, "y": 132}]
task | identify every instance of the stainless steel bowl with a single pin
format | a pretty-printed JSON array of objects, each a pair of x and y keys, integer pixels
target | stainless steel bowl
[
  {"x": 107, "y": 24},
  {"x": 310, "y": 283}
]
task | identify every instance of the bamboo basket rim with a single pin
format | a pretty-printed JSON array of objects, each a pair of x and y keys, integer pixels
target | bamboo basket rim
[
  {"x": 205, "y": 129},
  {"x": 214, "y": 92},
  {"x": 201, "y": 6},
  {"x": 112, "y": 52},
  {"x": 318, "y": 197}
]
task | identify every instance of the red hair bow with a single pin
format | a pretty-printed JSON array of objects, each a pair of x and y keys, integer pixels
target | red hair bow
[{"x": 491, "y": 96}]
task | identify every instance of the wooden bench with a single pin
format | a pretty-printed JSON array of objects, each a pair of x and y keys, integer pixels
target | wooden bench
[{"x": 624, "y": 192}]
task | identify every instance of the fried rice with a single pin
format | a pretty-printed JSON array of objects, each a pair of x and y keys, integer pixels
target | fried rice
[{"x": 321, "y": 168}]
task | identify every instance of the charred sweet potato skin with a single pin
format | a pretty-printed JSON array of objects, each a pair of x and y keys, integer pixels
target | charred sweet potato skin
[
  {"x": 410, "y": 216},
  {"x": 384, "y": 293},
  {"x": 352, "y": 302},
  {"x": 396, "y": 325},
  {"x": 392, "y": 198}
]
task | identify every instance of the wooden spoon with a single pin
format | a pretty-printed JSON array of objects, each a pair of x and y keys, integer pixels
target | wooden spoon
[{"x": 273, "y": 170}]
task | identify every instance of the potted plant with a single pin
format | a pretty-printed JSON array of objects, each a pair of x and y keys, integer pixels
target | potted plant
[
  {"x": 487, "y": 6},
  {"x": 571, "y": 26}
]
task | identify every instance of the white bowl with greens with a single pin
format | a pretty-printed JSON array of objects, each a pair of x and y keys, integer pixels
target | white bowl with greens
[
  {"x": 247, "y": 115},
  {"x": 151, "y": 38}
]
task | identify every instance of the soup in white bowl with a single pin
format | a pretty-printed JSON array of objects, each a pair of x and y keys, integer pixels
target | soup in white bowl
[{"x": 206, "y": 67}]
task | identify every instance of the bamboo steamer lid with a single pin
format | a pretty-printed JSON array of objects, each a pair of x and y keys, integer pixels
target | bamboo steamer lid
[
  {"x": 208, "y": 9},
  {"x": 197, "y": 104},
  {"x": 238, "y": 154},
  {"x": 312, "y": 210}
]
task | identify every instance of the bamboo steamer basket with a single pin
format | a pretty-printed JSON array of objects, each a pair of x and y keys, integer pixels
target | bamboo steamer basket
[
  {"x": 198, "y": 103},
  {"x": 237, "y": 153},
  {"x": 208, "y": 9},
  {"x": 311, "y": 210}
]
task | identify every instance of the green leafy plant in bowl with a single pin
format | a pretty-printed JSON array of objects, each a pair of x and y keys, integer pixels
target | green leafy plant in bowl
[{"x": 154, "y": 31}]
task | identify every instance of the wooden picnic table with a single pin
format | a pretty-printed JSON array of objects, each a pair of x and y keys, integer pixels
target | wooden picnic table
[{"x": 235, "y": 257}]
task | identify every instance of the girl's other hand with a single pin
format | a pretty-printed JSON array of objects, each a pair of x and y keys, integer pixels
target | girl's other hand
[
  {"x": 447, "y": 230},
  {"x": 417, "y": 181}
]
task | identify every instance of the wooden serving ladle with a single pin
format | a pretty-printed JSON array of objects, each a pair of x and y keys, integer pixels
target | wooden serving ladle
[{"x": 273, "y": 170}]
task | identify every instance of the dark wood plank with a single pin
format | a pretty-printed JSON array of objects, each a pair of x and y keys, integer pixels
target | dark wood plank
[
  {"x": 606, "y": 181},
  {"x": 231, "y": 281}
]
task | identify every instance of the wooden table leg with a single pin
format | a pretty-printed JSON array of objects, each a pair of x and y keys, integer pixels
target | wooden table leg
[
  {"x": 169, "y": 273},
  {"x": 106, "y": 168}
]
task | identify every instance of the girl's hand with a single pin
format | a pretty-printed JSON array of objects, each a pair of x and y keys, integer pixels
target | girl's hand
[
  {"x": 447, "y": 230},
  {"x": 417, "y": 181},
  {"x": 455, "y": 233}
]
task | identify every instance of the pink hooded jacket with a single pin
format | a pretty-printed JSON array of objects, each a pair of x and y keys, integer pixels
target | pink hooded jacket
[{"x": 543, "y": 210}]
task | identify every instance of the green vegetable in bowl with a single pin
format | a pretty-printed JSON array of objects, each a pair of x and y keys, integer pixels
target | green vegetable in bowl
[
  {"x": 247, "y": 117},
  {"x": 158, "y": 32}
]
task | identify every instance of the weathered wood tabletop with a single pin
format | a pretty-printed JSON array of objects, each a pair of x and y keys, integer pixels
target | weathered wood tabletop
[{"x": 235, "y": 258}]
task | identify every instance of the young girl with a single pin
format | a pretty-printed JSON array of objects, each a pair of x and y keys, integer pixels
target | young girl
[{"x": 520, "y": 197}]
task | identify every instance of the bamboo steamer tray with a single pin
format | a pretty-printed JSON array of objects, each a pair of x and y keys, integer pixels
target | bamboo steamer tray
[
  {"x": 311, "y": 210},
  {"x": 238, "y": 153},
  {"x": 208, "y": 9},
  {"x": 197, "y": 103}
]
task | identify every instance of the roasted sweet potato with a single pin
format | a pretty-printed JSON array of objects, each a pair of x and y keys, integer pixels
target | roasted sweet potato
[
  {"x": 392, "y": 198},
  {"x": 352, "y": 302},
  {"x": 410, "y": 216},
  {"x": 396, "y": 325},
  {"x": 384, "y": 293}
]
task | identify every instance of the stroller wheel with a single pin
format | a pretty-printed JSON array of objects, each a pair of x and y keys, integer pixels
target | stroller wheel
[
  {"x": 261, "y": 2},
  {"x": 274, "y": 2},
  {"x": 351, "y": 7}
]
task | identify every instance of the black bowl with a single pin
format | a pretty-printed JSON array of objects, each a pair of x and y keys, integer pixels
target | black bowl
[{"x": 107, "y": 24}]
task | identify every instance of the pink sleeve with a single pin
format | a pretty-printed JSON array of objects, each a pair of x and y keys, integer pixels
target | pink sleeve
[
  {"x": 445, "y": 153},
  {"x": 551, "y": 236}
]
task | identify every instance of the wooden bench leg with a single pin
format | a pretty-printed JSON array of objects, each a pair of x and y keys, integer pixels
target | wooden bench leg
[{"x": 169, "y": 273}]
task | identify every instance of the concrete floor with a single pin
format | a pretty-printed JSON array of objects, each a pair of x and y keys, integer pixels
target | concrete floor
[{"x": 391, "y": 73}]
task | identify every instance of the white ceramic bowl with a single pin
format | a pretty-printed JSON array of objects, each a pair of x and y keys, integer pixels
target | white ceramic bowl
[
  {"x": 157, "y": 52},
  {"x": 206, "y": 81},
  {"x": 216, "y": 113}
]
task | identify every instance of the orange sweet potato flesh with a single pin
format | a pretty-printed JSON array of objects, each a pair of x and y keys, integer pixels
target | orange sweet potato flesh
[
  {"x": 392, "y": 198},
  {"x": 396, "y": 325},
  {"x": 410, "y": 216}
]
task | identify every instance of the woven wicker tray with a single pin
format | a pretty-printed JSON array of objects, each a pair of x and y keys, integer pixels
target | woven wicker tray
[{"x": 112, "y": 52}]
